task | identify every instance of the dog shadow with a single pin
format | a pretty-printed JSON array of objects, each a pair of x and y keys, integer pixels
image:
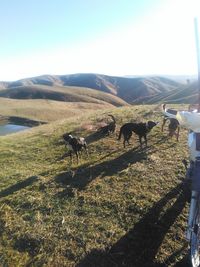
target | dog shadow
[
  {"x": 94, "y": 137},
  {"x": 140, "y": 245},
  {"x": 18, "y": 186},
  {"x": 81, "y": 177},
  {"x": 167, "y": 140}
]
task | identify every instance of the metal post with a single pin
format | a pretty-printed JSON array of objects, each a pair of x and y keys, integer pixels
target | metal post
[{"x": 198, "y": 57}]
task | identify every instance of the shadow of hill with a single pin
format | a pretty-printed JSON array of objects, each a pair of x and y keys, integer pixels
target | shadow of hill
[
  {"x": 80, "y": 178},
  {"x": 18, "y": 186},
  {"x": 140, "y": 245}
]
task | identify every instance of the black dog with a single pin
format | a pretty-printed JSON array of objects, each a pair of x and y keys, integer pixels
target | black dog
[
  {"x": 110, "y": 128},
  {"x": 141, "y": 129},
  {"x": 75, "y": 144}
]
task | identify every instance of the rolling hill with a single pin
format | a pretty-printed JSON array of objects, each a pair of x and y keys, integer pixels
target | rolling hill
[
  {"x": 131, "y": 90},
  {"x": 49, "y": 103},
  {"x": 128, "y": 89},
  {"x": 61, "y": 93}
]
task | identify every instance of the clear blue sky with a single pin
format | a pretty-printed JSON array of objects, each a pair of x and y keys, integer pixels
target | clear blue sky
[{"x": 114, "y": 37}]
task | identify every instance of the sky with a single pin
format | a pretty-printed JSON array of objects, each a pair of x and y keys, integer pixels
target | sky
[{"x": 112, "y": 37}]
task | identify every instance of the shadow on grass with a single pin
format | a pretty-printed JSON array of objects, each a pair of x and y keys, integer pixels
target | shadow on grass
[
  {"x": 95, "y": 137},
  {"x": 18, "y": 186},
  {"x": 82, "y": 177},
  {"x": 167, "y": 140},
  {"x": 140, "y": 245}
]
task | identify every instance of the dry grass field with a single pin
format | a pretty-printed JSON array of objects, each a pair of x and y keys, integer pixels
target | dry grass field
[{"x": 47, "y": 110}]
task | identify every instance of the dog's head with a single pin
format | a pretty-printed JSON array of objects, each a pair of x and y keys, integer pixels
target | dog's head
[
  {"x": 151, "y": 124},
  {"x": 67, "y": 137}
]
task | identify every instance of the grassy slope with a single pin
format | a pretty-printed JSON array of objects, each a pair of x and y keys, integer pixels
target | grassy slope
[
  {"x": 119, "y": 207},
  {"x": 46, "y": 110}
]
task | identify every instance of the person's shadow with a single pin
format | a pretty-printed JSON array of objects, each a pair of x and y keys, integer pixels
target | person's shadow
[
  {"x": 139, "y": 247},
  {"x": 18, "y": 186}
]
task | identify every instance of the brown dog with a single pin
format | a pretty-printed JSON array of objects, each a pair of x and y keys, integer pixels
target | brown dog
[{"x": 173, "y": 127}]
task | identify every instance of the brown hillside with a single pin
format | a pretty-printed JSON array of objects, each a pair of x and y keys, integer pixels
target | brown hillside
[
  {"x": 128, "y": 89},
  {"x": 58, "y": 93}
]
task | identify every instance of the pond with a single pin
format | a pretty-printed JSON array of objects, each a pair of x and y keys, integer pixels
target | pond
[{"x": 11, "y": 128}]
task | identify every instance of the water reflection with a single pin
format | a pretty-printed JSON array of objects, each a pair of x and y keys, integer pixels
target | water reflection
[{"x": 11, "y": 128}]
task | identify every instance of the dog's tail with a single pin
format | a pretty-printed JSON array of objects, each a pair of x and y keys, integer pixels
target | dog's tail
[
  {"x": 113, "y": 118},
  {"x": 120, "y": 134}
]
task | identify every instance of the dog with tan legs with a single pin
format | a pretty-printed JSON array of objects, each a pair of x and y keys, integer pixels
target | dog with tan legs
[
  {"x": 75, "y": 145},
  {"x": 173, "y": 127}
]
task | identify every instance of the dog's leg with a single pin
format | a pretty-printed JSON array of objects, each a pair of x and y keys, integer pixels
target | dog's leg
[
  {"x": 71, "y": 158},
  {"x": 86, "y": 150},
  {"x": 128, "y": 137},
  {"x": 124, "y": 142},
  {"x": 171, "y": 133},
  {"x": 140, "y": 140},
  {"x": 145, "y": 139},
  {"x": 77, "y": 156},
  {"x": 79, "y": 152},
  {"x": 177, "y": 136},
  {"x": 163, "y": 124}
]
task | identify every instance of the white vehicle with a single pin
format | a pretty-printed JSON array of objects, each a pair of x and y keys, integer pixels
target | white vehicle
[{"x": 191, "y": 121}]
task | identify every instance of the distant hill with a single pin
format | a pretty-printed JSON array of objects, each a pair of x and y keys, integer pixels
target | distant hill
[
  {"x": 132, "y": 90},
  {"x": 184, "y": 79},
  {"x": 187, "y": 94}
]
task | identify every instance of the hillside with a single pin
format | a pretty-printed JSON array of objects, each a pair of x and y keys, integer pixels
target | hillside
[
  {"x": 188, "y": 94},
  {"x": 44, "y": 110},
  {"x": 117, "y": 207},
  {"x": 128, "y": 89},
  {"x": 61, "y": 93}
]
